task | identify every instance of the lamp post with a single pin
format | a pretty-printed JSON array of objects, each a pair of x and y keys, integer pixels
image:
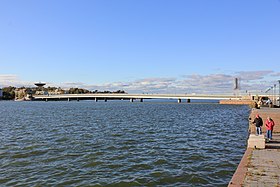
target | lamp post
[
  {"x": 272, "y": 96},
  {"x": 275, "y": 95},
  {"x": 279, "y": 94}
]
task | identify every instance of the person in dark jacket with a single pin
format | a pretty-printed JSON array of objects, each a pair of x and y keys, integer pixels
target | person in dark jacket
[{"x": 259, "y": 123}]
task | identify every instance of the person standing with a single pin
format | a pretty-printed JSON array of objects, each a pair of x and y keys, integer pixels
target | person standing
[
  {"x": 259, "y": 123},
  {"x": 269, "y": 123}
]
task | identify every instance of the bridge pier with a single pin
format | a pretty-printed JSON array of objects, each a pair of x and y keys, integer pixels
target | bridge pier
[
  {"x": 68, "y": 99},
  {"x": 78, "y": 100},
  {"x": 131, "y": 100},
  {"x": 47, "y": 100},
  {"x": 179, "y": 100},
  {"x": 188, "y": 100},
  {"x": 141, "y": 100},
  {"x": 96, "y": 99},
  {"x": 105, "y": 99}
]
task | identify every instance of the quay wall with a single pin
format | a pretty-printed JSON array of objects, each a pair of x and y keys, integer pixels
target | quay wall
[{"x": 236, "y": 102}]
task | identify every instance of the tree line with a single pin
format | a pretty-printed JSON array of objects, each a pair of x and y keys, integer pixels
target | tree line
[{"x": 9, "y": 93}]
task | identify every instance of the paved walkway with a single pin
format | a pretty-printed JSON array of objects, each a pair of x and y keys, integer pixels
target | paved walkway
[
  {"x": 261, "y": 167},
  {"x": 264, "y": 112},
  {"x": 264, "y": 165}
]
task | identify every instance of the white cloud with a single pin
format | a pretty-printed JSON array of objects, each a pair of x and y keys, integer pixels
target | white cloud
[
  {"x": 12, "y": 80},
  {"x": 213, "y": 83},
  {"x": 277, "y": 74},
  {"x": 252, "y": 81},
  {"x": 253, "y": 75}
]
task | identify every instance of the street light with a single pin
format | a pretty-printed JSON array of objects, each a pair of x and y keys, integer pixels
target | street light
[
  {"x": 279, "y": 94},
  {"x": 275, "y": 95},
  {"x": 268, "y": 89}
]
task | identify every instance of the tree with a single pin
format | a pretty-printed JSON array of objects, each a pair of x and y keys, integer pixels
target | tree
[
  {"x": 119, "y": 91},
  {"x": 8, "y": 93}
]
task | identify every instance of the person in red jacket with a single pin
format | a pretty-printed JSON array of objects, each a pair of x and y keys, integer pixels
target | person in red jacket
[{"x": 269, "y": 123}]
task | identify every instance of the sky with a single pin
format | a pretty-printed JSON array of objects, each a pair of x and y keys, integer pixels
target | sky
[{"x": 141, "y": 46}]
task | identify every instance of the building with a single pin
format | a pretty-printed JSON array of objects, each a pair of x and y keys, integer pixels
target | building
[{"x": 23, "y": 94}]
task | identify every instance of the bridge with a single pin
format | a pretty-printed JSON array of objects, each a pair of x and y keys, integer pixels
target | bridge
[{"x": 133, "y": 97}]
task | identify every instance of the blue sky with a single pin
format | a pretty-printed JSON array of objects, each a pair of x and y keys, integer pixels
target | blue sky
[{"x": 141, "y": 45}]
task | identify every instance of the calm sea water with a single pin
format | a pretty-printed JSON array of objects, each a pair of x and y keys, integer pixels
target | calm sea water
[{"x": 120, "y": 143}]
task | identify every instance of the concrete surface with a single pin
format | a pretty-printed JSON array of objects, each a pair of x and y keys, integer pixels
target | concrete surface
[
  {"x": 264, "y": 165},
  {"x": 260, "y": 167},
  {"x": 256, "y": 141}
]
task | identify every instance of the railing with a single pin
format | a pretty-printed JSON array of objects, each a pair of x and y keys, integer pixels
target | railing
[{"x": 137, "y": 96}]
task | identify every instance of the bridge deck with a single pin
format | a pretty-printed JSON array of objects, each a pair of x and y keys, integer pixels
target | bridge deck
[{"x": 135, "y": 96}]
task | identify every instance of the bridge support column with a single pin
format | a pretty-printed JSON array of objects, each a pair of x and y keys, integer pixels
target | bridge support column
[
  {"x": 188, "y": 100},
  {"x": 78, "y": 99},
  {"x": 141, "y": 100},
  {"x": 68, "y": 99},
  {"x": 96, "y": 99},
  {"x": 46, "y": 100},
  {"x": 179, "y": 100},
  {"x": 131, "y": 100},
  {"x": 105, "y": 99}
]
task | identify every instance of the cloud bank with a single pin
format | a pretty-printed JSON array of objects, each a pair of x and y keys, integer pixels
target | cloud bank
[
  {"x": 250, "y": 81},
  {"x": 13, "y": 80}
]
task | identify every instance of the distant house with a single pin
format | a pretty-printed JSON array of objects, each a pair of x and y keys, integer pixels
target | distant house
[
  {"x": 23, "y": 94},
  {"x": 56, "y": 92},
  {"x": 41, "y": 93}
]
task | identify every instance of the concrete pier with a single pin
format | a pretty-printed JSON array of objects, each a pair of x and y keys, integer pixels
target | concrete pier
[
  {"x": 237, "y": 102},
  {"x": 264, "y": 165},
  {"x": 260, "y": 167}
]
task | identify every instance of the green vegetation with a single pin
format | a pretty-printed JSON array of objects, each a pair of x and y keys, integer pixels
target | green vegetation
[
  {"x": 78, "y": 91},
  {"x": 85, "y": 91},
  {"x": 10, "y": 93}
]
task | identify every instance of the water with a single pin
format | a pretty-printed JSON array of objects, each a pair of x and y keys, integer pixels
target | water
[{"x": 120, "y": 143}]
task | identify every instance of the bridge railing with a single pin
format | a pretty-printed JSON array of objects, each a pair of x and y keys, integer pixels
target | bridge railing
[{"x": 139, "y": 96}]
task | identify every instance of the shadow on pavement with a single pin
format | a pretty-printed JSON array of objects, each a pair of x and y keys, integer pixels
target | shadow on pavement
[{"x": 273, "y": 144}]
